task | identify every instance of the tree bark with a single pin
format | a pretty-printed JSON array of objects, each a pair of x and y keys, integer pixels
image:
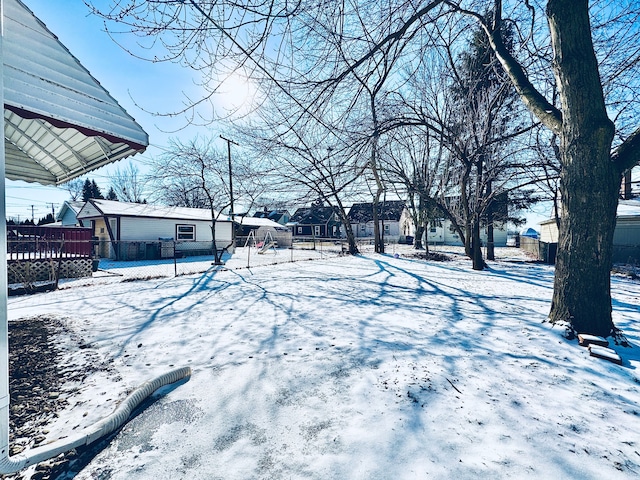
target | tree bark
[
  {"x": 590, "y": 181},
  {"x": 476, "y": 245},
  {"x": 425, "y": 232},
  {"x": 490, "y": 242},
  {"x": 417, "y": 241}
]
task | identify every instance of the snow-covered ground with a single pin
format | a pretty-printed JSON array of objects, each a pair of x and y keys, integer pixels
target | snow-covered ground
[{"x": 368, "y": 367}]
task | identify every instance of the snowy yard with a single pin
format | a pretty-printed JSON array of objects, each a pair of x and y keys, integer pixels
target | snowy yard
[{"x": 369, "y": 367}]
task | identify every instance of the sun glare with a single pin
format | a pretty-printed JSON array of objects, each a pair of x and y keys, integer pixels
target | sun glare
[{"x": 236, "y": 93}]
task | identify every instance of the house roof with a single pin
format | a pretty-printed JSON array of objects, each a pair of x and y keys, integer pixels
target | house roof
[
  {"x": 60, "y": 122},
  {"x": 257, "y": 222},
  {"x": 627, "y": 209},
  {"x": 530, "y": 232},
  {"x": 75, "y": 207},
  {"x": 390, "y": 210},
  {"x": 98, "y": 208},
  {"x": 274, "y": 215},
  {"x": 313, "y": 215}
]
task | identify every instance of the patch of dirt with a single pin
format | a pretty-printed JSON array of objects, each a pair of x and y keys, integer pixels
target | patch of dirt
[
  {"x": 431, "y": 256},
  {"x": 37, "y": 388},
  {"x": 627, "y": 270}
]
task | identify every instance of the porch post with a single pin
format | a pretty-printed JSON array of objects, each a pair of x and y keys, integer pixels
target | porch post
[{"x": 4, "y": 285}]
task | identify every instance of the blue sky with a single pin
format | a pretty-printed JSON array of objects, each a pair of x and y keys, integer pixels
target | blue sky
[{"x": 132, "y": 82}]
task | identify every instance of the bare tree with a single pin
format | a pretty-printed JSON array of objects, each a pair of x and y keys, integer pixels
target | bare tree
[
  {"x": 574, "y": 40},
  {"x": 128, "y": 184},
  {"x": 413, "y": 161},
  {"x": 74, "y": 187},
  {"x": 591, "y": 171},
  {"x": 195, "y": 174},
  {"x": 315, "y": 164}
]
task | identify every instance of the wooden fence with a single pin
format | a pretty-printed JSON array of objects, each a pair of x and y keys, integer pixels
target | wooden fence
[{"x": 27, "y": 242}]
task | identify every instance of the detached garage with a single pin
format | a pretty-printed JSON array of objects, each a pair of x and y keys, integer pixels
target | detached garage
[
  {"x": 137, "y": 231},
  {"x": 626, "y": 237}
]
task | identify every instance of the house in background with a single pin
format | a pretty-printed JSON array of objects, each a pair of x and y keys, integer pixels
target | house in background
[
  {"x": 316, "y": 222},
  {"x": 626, "y": 236},
  {"x": 134, "y": 231},
  {"x": 279, "y": 216},
  {"x": 393, "y": 216},
  {"x": 441, "y": 232},
  {"x": 68, "y": 214}
]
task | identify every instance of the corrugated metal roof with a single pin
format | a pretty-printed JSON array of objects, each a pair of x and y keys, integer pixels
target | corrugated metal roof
[{"x": 59, "y": 121}]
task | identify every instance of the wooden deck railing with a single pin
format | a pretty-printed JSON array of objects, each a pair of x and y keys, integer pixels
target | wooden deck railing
[{"x": 25, "y": 242}]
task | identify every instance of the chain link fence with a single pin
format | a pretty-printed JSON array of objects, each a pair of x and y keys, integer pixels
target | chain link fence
[
  {"x": 138, "y": 260},
  {"x": 143, "y": 260}
]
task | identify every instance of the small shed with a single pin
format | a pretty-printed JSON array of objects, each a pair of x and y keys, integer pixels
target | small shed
[{"x": 130, "y": 231}]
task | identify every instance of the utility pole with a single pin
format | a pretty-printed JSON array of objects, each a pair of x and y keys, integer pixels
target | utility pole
[
  {"x": 32, "y": 207},
  {"x": 233, "y": 227}
]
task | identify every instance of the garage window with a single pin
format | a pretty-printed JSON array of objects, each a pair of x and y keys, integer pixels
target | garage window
[{"x": 186, "y": 232}]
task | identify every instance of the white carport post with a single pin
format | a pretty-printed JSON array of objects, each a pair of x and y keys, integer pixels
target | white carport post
[
  {"x": 4, "y": 285},
  {"x": 126, "y": 141}
]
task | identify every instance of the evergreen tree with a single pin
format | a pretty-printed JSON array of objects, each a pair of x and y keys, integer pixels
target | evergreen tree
[
  {"x": 87, "y": 192},
  {"x": 90, "y": 189},
  {"x": 95, "y": 190},
  {"x": 111, "y": 195},
  {"x": 46, "y": 219},
  {"x": 484, "y": 101}
]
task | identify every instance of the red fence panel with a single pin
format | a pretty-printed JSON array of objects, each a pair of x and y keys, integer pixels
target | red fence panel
[{"x": 28, "y": 241}]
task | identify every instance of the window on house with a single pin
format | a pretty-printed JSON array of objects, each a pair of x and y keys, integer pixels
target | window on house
[
  {"x": 433, "y": 230},
  {"x": 316, "y": 230},
  {"x": 386, "y": 228},
  {"x": 363, "y": 227},
  {"x": 186, "y": 232},
  {"x": 101, "y": 229},
  {"x": 299, "y": 230}
]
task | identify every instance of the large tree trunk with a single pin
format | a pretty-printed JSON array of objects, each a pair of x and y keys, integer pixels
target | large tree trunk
[
  {"x": 491, "y": 255},
  {"x": 476, "y": 246},
  {"x": 491, "y": 247},
  {"x": 217, "y": 256},
  {"x": 351, "y": 238},
  {"x": 417, "y": 240},
  {"x": 590, "y": 181}
]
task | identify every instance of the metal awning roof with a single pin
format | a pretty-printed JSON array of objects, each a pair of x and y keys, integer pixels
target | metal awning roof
[{"x": 60, "y": 123}]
